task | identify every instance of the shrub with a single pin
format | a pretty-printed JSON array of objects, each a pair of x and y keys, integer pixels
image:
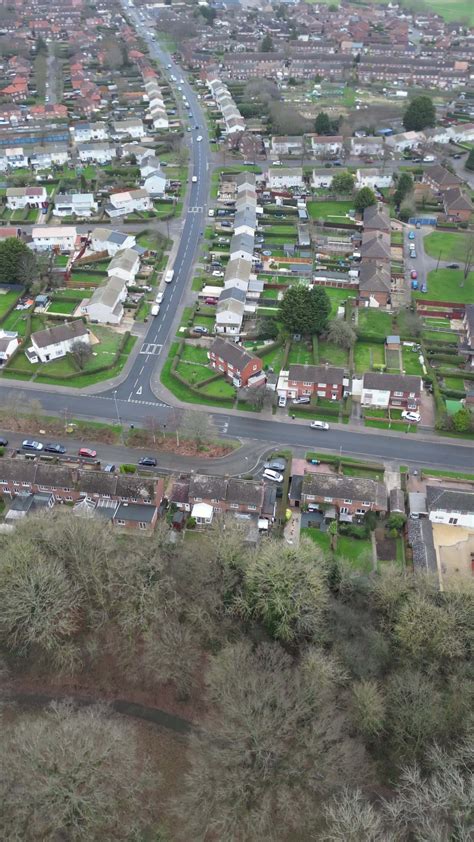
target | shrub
[
  {"x": 128, "y": 469},
  {"x": 352, "y": 530}
]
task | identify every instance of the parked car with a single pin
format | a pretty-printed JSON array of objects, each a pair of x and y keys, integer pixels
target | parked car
[
  {"x": 413, "y": 274},
  {"x": 319, "y": 425},
  {"x": 412, "y": 417},
  {"x": 148, "y": 461},
  {"x": 274, "y": 476},
  {"x": 282, "y": 400},
  {"x": 210, "y": 301},
  {"x": 424, "y": 288},
  {"x": 30, "y": 444},
  {"x": 210, "y": 212},
  {"x": 217, "y": 274},
  {"x": 199, "y": 138},
  {"x": 54, "y": 448},
  {"x": 3, "y": 441},
  {"x": 194, "y": 179},
  {"x": 414, "y": 284},
  {"x": 87, "y": 453},
  {"x": 200, "y": 329},
  {"x": 159, "y": 297},
  {"x": 110, "y": 469},
  {"x": 452, "y": 266},
  {"x": 313, "y": 461},
  {"x": 411, "y": 235},
  {"x": 302, "y": 399},
  {"x": 413, "y": 254}
]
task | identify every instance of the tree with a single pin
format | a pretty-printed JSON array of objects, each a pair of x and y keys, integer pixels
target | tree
[
  {"x": 462, "y": 420},
  {"x": 267, "y": 44},
  {"x": 469, "y": 165},
  {"x": 364, "y": 198},
  {"x": 305, "y": 310},
  {"x": 196, "y": 426},
  {"x": 369, "y": 708},
  {"x": 72, "y": 774},
  {"x": 322, "y": 123},
  {"x": 286, "y": 591},
  {"x": 343, "y": 182},
  {"x": 341, "y": 334},
  {"x": 351, "y": 818},
  {"x": 81, "y": 352},
  {"x": 404, "y": 188},
  {"x": 14, "y": 256},
  {"x": 420, "y": 114},
  {"x": 28, "y": 270},
  {"x": 396, "y": 521}
]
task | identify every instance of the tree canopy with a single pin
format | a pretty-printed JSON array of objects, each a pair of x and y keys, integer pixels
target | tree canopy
[
  {"x": 470, "y": 160},
  {"x": 305, "y": 310},
  {"x": 343, "y": 182},
  {"x": 17, "y": 263},
  {"x": 420, "y": 114},
  {"x": 364, "y": 198},
  {"x": 322, "y": 123}
]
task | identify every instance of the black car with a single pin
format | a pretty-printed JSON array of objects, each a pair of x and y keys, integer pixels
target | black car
[
  {"x": 54, "y": 448},
  {"x": 452, "y": 266},
  {"x": 149, "y": 461},
  {"x": 3, "y": 442},
  {"x": 276, "y": 464}
]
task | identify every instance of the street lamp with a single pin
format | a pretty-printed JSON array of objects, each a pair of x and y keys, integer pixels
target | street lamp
[{"x": 117, "y": 413}]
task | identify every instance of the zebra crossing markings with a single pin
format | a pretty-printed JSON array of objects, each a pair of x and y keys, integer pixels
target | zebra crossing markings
[{"x": 150, "y": 348}]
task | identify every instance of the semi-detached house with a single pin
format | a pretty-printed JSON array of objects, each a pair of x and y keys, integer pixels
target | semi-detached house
[
  {"x": 325, "y": 381},
  {"x": 243, "y": 368},
  {"x": 283, "y": 177},
  {"x": 55, "y": 342},
  {"x": 400, "y": 391},
  {"x": 452, "y": 507},
  {"x": 349, "y": 496},
  {"x": 46, "y": 237},
  {"x": 127, "y": 202},
  {"x": 22, "y": 197},
  {"x": 75, "y": 204}
]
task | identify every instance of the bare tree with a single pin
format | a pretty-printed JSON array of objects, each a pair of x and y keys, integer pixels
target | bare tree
[
  {"x": 153, "y": 426},
  {"x": 341, "y": 334},
  {"x": 72, "y": 774},
  {"x": 369, "y": 708},
  {"x": 350, "y": 818},
  {"x": 196, "y": 426},
  {"x": 81, "y": 352}
]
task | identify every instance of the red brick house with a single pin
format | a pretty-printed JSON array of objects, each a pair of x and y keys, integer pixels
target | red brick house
[
  {"x": 457, "y": 206},
  {"x": 375, "y": 283},
  {"x": 440, "y": 179},
  {"x": 140, "y": 516},
  {"x": 350, "y": 496},
  {"x": 400, "y": 391},
  {"x": 466, "y": 345},
  {"x": 242, "y": 367},
  {"x": 227, "y": 494},
  {"x": 325, "y": 381}
]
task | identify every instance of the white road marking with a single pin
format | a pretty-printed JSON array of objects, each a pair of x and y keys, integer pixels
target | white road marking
[
  {"x": 139, "y": 391},
  {"x": 150, "y": 348}
]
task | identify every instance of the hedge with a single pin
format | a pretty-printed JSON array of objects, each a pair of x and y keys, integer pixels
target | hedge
[
  {"x": 315, "y": 350},
  {"x": 455, "y": 372},
  {"x": 332, "y": 411},
  {"x": 454, "y": 359},
  {"x": 194, "y": 389},
  {"x": 370, "y": 337},
  {"x": 453, "y": 393}
]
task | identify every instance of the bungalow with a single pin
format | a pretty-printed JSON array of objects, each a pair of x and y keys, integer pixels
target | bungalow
[
  {"x": 124, "y": 265},
  {"x": 106, "y": 239},
  {"x": 22, "y": 197},
  {"x": 55, "y": 342},
  {"x": 284, "y": 177},
  {"x": 372, "y": 178},
  {"x": 129, "y": 128},
  {"x": 46, "y": 237},
  {"x": 106, "y": 304},
  {"x": 244, "y": 181},
  {"x": 96, "y": 153},
  {"x": 457, "y": 205},
  {"x": 242, "y": 367},
  {"x": 127, "y": 202},
  {"x": 75, "y": 204},
  {"x": 325, "y": 381},
  {"x": 450, "y": 506},
  {"x": 350, "y": 496},
  {"x": 8, "y": 344},
  {"x": 323, "y": 146},
  {"x": 241, "y": 245},
  {"x": 401, "y": 391},
  {"x": 245, "y": 222}
]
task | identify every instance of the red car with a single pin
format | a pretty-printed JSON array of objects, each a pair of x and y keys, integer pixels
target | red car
[
  {"x": 87, "y": 452},
  {"x": 210, "y": 301},
  {"x": 413, "y": 274}
]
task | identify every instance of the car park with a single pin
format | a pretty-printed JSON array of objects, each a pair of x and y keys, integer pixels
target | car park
[
  {"x": 54, "y": 448},
  {"x": 148, "y": 461},
  {"x": 274, "y": 476},
  {"x": 319, "y": 425},
  {"x": 412, "y": 417},
  {"x": 87, "y": 453},
  {"x": 30, "y": 444}
]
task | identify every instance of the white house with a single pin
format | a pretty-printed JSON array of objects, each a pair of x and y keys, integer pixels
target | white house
[
  {"x": 321, "y": 179},
  {"x": 85, "y": 132},
  {"x": 128, "y": 201},
  {"x": 129, "y": 128},
  {"x": 106, "y": 303},
  {"x": 322, "y": 145},
  {"x": 372, "y": 178},
  {"x": 124, "y": 265},
  {"x": 155, "y": 183},
  {"x": 241, "y": 245},
  {"x": 282, "y": 177},
  {"x": 405, "y": 140},
  {"x": 450, "y": 506},
  {"x": 16, "y": 157},
  {"x": 8, "y": 344},
  {"x": 52, "y": 153},
  {"x": 46, "y": 237},
  {"x": 54, "y": 342},
  {"x": 22, "y": 197},
  {"x": 367, "y": 146},
  {"x": 96, "y": 153},
  {"x": 74, "y": 204},
  {"x": 111, "y": 241}
]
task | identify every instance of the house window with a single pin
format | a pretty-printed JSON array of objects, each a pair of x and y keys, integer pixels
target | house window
[
  {"x": 328, "y": 499},
  {"x": 307, "y": 383},
  {"x": 121, "y": 522},
  {"x": 360, "y": 511},
  {"x": 142, "y": 524},
  {"x": 198, "y": 499},
  {"x": 453, "y": 520},
  {"x": 366, "y": 503},
  {"x": 344, "y": 510},
  {"x": 251, "y": 508},
  {"x": 25, "y": 484},
  {"x": 398, "y": 394},
  {"x": 347, "y": 501},
  {"x": 233, "y": 505}
]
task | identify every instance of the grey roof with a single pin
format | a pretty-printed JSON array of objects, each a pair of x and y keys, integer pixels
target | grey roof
[
  {"x": 232, "y": 353},
  {"x": 397, "y": 500},
  {"x": 29, "y": 502},
  {"x": 376, "y": 217},
  {"x": 245, "y": 178},
  {"x": 137, "y": 512},
  {"x": 125, "y": 259},
  {"x": 234, "y": 293},
  {"x": 244, "y": 491},
  {"x": 441, "y": 176},
  {"x": 180, "y": 491},
  {"x": 117, "y": 237},
  {"x": 238, "y": 268},
  {"x": 316, "y": 374},
  {"x": 346, "y": 488},
  {"x": 269, "y": 500},
  {"x": 392, "y": 382},
  {"x": 417, "y": 503},
  {"x": 375, "y": 244},
  {"x": 60, "y": 333},
  {"x": 449, "y": 499},
  {"x": 374, "y": 277},
  {"x": 420, "y": 538},
  {"x": 207, "y": 487},
  {"x": 241, "y": 242},
  {"x": 296, "y": 487}
]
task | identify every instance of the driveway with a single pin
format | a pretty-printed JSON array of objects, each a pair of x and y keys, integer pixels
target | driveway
[{"x": 427, "y": 410}]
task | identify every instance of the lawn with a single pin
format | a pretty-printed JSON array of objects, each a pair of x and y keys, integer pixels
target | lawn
[
  {"x": 411, "y": 363},
  {"x": 449, "y": 285},
  {"x": 16, "y": 321},
  {"x": 330, "y": 353},
  {"x": 337, "y": 297},
  {"x": 6, "y": 301},
  {"x": 179, "y": 390},
  {"x": 440, "y": 336},
  {"x": 454, "y": 383},
  {"x": 195, "y": 354},
  {"x": 192, "y": 373},
  {"x": 300, "y": 354},
  {"x": 443, "y": 245},
  {"x": 367, "y": 354},
  {"x": 219, "y": 388},
  {"x": 327, "y": 210},
  {"x": 375, "y": 321},
  {"x": 454, "y": 10},
  {"x": 357, "y": 552},
  {"x": 274, "y": 358},
  {"x": 59, "y": 305}
]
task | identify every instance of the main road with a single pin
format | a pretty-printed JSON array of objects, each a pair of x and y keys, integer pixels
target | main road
[{"x": 133, "y": 399}]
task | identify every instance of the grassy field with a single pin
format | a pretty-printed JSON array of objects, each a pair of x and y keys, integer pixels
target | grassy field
[
  {"x": 449, "y": 285},
  {"x": 337, "y": 297},
  {"x": 179, "y": 390},
  {"x": 330, "y": 353},
  {"x": 300, "y": 354},
  {"x": 446, "y": 246},
  {"x": 327, "y": 210},
  {"x": 367, "y": 354},
  {"x": 6, "y": 301},
  {"x": 357, "y": 552},
  {"x": 375, "y": 321},
  {"x": 453, "y": 10}
]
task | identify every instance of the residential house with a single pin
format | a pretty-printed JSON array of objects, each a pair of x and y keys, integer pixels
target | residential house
[
  {"x": 230, "y": 311},
  {"x": 84, "y": 132},
  {"x": 376, "y": 218},
  {"x": 405, "y": 141},
  {"x": 245, "y": 222},
  {"x": 125, "y": 265},
  {"x": 106, "y": 303},
  {"x": 440, "y": 179},
  {"x": 323, "y": 146},
  {"x": 155, "y": 183},
  {"x": 54, "y": 342},
  {"x": 325, "y": 381},
  {"x": 46, "y": 237},
  {"x": 110, "y": 241},
  {"x": 23, "y": 197},
  {"x": 457, "y": 205},
  {"x": 375, "y": 283},
  {"x": 13, "y": 158},
  {"x": 25, "y": 503},
  {"x": 372, "y": 178},
  {"x": 321, "y": 179},
  {"x": 400, "y": 391},
  {"x": 132, "y": 127},
  {"x": 75, "y": 204},
  {"x": 375, "y": 246},
  {"x": 466, "y": 346},
  {"x": 286, "y": 145},
  {"x": 370, "y": 146},
  {"x": 128, "y": 202},
  {"x": 241, "y": 246},
  {"x": 450, "y": 506},
  {"x": 244, "y": 181},
  {"x": 96, "y": 153},
  {"x": 242, "y": 367},
  {"x": 284, "y": 177},
  {"x": 224, "y": 494},
  {"x": 8, "y": 344},
  {"x": 237, "y": 273},
  {"x": 141, "y": 516},
  {"x": 48, "y": 155},
  {"x": 349, "y": 496}
]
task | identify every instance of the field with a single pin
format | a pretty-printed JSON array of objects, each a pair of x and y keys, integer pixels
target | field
[
  {"x": 445, "y": 246},
  {"x": 367, "y": 354},
  {"x": 333, "y": 354},
  {"x": 375, "y": 321},
  {"x": 327, "y": 210},
  {"x": 449, "y": 285}
]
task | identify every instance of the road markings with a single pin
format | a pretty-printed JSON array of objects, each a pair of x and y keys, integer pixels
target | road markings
[
  {"x": 150, "y": 348},
  {"x": 196, "y": 209},
  {"x": 139, "y": 390}
]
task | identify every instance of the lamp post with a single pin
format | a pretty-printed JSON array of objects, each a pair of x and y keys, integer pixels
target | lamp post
[{"x": 118, "y": 416}]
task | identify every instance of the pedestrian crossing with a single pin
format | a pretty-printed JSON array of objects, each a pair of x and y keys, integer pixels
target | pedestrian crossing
[
  {"x": 196, "y": 209},
  {"x": 150, "y": 348}
]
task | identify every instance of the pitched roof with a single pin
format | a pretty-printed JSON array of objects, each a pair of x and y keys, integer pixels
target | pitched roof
[
  {"x": 392, "y": 382},
  {"x": 374, "y": 276},
  {"x": 316, "y": 374},
  {"x": 375, "y": 244},
  {"x": 60, "y": 333},
  {"x": 449, "y": 499},
  {"x": 207, "y": 487},
  {"x": 442, "y": 177},
  {"x": 230, "y": 352},
  {"x": 345, "y": 488},
  {"x": 232, "y": 293},
  {"x": 376, "y": 218}
]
